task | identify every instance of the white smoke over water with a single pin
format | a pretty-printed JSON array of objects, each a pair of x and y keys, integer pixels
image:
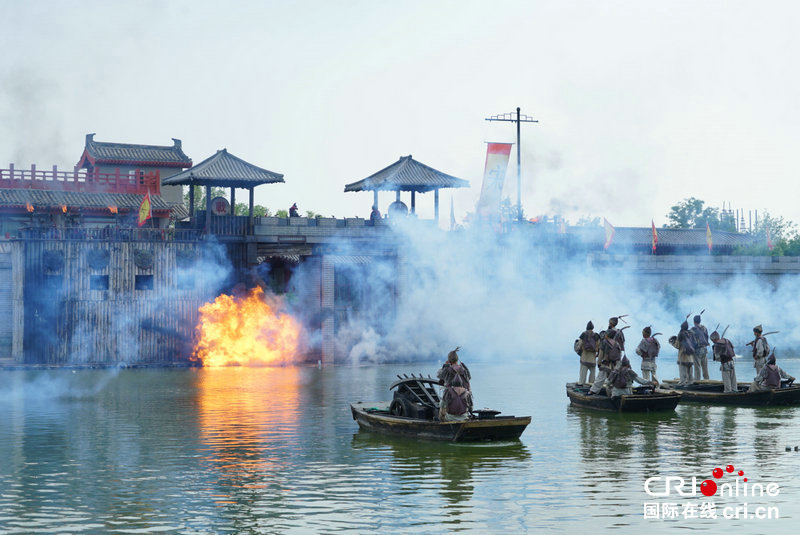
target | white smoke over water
[{"x": 523, "y": 296}]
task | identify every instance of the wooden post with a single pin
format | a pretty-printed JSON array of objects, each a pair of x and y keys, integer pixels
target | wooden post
[
  {"x": 191, "y": 200},
  {"x": 413, "y": 202},
  {"x": 436, "y": 205},
  {"x": 233, "y": 201},
  {"x": 250, "y": 213},
  {"x": 208, "y": 209},
  {"x": 375, "y": 198}
]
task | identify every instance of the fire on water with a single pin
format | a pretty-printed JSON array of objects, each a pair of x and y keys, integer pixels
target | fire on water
[{"x": 247, "y": 330}]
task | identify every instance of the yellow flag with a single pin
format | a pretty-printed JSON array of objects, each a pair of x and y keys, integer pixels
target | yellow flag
[
  {"x": 145, "y": 211},
  {"x": 708, "y": 236}
]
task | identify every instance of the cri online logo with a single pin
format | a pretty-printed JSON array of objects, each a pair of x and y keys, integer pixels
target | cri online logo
[{"x": 653, "y": 485}]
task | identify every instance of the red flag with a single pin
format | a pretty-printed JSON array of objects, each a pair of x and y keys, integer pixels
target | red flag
[
  {"x": 494, "y": 175},
  {"x": 655, "y": 235},
  {"x": 609, "y": 233},
  {"x": 145, "y": 209},
  {"x": 708, "y": 236},
  {"x": 769, "y": 240}
]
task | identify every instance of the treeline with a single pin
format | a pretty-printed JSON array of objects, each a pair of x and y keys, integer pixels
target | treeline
[
  {"x": 241, "y": 208},
  {"x": 772, "y": 236}
]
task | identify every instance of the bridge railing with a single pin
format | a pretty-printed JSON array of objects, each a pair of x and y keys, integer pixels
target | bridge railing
[{"x": 81, "y": 180}]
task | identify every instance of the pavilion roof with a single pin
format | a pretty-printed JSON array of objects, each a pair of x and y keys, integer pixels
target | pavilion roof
[
  {"x": 223, "y": 169},
  {"x": 100, "y": 152},
  {"x": 407, "y": 174}
]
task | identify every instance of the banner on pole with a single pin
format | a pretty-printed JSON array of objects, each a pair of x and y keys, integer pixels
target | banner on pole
[
  {"x": 494, "y": 175},
  {"x": 708, "y": 237},
  {"x": 655, "y": 235},
  {"x": 609, "y": 233},
  {"x": 145, "y": 209}
]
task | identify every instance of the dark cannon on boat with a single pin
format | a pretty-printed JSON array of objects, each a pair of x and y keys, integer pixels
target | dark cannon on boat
[{"x": 414, "y": 412}]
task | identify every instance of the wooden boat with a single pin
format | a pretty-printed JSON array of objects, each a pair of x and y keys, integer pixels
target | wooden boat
[
  {"x": 711, "y": 392},
  {"x": 644, "y": 399},
  {"x": 413, "y": 412}
]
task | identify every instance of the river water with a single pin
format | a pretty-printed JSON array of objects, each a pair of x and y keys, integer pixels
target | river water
[{"x": 275, "y": 450}]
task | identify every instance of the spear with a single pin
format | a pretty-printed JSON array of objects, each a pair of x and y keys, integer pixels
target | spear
[{"x": 765, "y": 334}]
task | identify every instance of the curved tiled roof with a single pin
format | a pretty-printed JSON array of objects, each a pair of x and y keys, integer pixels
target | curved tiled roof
[
  {"x": 74, "y": 199},
  {"x": 224, "y": 170},
  {"x": 407, "y": 174},
  {"x": 635, "y": 236},
  {"x": 99, "y": 152}
]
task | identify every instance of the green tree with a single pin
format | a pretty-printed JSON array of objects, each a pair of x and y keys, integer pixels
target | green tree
[
  {"x": 282, "y": 213},
  {"x": 200, "y": 196},
  {"x": 782, "y": 234},
  {"x": 258, "y": 210},
  {"x": 692, "y": 213}
]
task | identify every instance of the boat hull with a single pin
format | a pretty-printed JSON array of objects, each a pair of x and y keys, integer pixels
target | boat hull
[
  {"x": 711, "y": 392},
  {"x": 656, "y": 401},
  {"x": 376, "y": 417}
]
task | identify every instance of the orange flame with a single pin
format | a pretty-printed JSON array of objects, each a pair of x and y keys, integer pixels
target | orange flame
[
  {"x": 112, "y": 209},
  {"x": 246, "y": 330},
  {"x": 64, "y": 208},
  {"x": 29, "y": 206}
]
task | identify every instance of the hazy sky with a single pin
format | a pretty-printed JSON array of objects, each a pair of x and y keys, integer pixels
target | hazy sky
[{"x": 641, "y": 104}]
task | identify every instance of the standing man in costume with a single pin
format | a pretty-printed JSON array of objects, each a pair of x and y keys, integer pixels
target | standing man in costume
[
  {"x": 724, "y": 353},
  {"x": 609, "y": 357},
  {"x": 684, "y": 343},
  {"x": 648, "y": 349},
  {"x": 587, "y": 346},
  {"x": 700, "y": 334},
  {"x": 451, "y": 368},
  {"x": 760, "y": 349}
]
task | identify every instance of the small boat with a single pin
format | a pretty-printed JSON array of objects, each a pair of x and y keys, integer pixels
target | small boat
[
  {"x": 413, "y": 412},
  {"x": 711, "y": 392},
  {"x": 643, "y": 399}
]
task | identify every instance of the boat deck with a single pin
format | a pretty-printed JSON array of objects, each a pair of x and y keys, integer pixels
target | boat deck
[{"x": 375, "y": 416}]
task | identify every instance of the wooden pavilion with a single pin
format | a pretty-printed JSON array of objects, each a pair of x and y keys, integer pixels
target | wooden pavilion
[
  {"x": 407, "y": 174},
  {"x": 223, "y": 170}
]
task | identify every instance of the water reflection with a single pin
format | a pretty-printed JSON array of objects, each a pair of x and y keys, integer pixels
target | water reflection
[
  {"x": 453, "y": 469},
  {"x": 248, "y": 418}
]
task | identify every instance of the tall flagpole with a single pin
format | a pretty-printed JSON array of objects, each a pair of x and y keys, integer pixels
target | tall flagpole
[{"x": 509, "y": 117}]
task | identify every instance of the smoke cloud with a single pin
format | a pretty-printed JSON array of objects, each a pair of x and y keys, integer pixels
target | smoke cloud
[{"x": 523, "y": 295}]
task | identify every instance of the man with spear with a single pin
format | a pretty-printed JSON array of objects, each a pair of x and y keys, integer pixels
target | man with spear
[{"x": 760, "y": 348}]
